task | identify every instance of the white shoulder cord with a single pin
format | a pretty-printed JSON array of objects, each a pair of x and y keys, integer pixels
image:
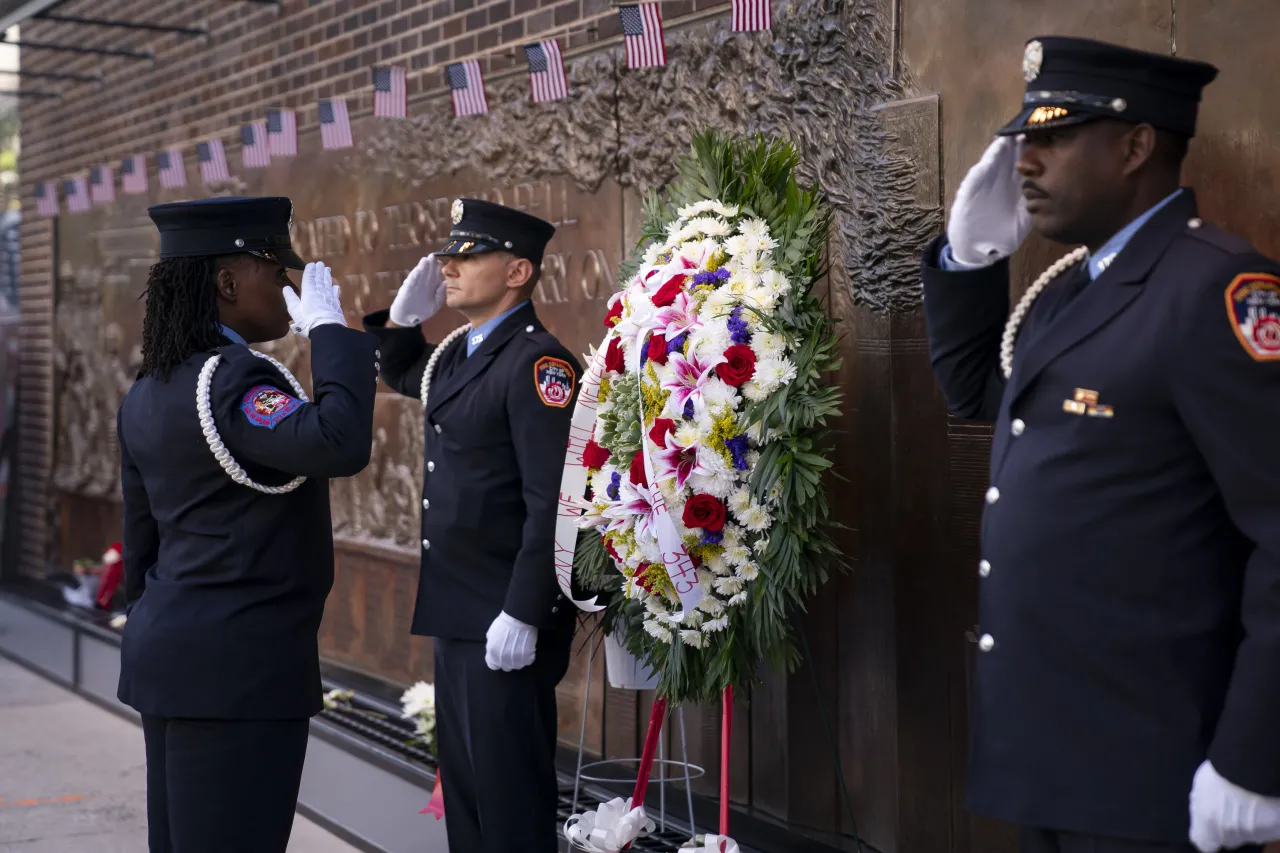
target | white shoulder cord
[
  {"x": 1028, "y": 299},
  {"x": 214, "y": 440},
  {"x": 435, "y": 356}
]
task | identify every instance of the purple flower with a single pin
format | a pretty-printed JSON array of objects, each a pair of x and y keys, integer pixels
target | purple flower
[
  {"x": 688, "y": 408},
  {"x": 721, "y": 274},
  {"x": 712, "y": 537},
  {"x": 737, "y": 446},
  {"x": 677, "y": 343},
  {"x": 614, "y": 482},
  {"x": 738, "y": 327}
]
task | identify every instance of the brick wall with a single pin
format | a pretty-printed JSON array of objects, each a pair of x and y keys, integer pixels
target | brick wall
[{"x": 260, "y": 57}]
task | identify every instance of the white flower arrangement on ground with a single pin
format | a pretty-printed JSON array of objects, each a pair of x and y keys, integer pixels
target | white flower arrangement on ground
[{"x": 419, "y": 705}]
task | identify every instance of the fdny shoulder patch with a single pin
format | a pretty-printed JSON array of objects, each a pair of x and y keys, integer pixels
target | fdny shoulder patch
[
  {"x": 266, "y": 406},
  {"x": 1253, "y": 308},
  {"x": 554, "y": 378}
]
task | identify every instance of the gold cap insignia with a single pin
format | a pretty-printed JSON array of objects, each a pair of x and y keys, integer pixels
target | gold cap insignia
[
  {"x": 1032, "y": 58},
  {"x": 457, "y": 211},
  {"x": 1041, "y": 115}
]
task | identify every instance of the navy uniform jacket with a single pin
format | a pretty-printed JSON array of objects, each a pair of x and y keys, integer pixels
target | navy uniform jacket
[
  {"x": 1131, "y": 542},
  {"x": 497, "y": 426},
  {"x": 226, "y": 585}
]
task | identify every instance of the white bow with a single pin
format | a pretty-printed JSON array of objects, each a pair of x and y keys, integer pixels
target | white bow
[
  {"x": 608, "y": 829},
  {"x": 711, "y": 844}
]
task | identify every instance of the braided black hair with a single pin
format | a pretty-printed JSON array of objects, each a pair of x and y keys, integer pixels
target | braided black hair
[{"x": 182, "y": 312}]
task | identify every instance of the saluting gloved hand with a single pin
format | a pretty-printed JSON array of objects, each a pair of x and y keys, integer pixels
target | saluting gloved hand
[
  {"x": 989, "y": 218},
  {"x": 421, "y": 295},
  {"x": 1225, "y": 816},
  {"x": 320, "y": 302},
  {"x": 511, "y": 644}
]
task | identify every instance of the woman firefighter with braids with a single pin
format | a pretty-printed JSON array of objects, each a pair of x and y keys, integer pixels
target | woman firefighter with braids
[{"x": 228, "y": 549}]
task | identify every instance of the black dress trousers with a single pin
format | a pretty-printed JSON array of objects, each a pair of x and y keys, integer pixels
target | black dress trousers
[
  {"x": 222, "y": 786},
  {"x": 1050, "y": 841},
  {"x": 497, "y": 745}
]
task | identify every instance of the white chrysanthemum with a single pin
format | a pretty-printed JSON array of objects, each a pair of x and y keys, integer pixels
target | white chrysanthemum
[
  {"x": 729, "y": 211},
  {"x": 732, "y": 535},
  {"x": 772, "y": 373},
  {"x": 760, "y": 298},
  {"x": 753, "y": 391},
  {"x": 423, "y": 727},
  {"x": 720, "y": 484},
  {"x": 748, "y": 571},
  {"x": 418, "y": 699},
  {"x": 717, "y": 393},
  {"x": 754, "y": 228},
  {"x": 709, "y": 341},
  {"x": 775, "y": 281},
  {"x": 673, "y": 228},
  {"x": 729, "y": 585},
  {"x": 692, "y": 638},
  {"x": 756, "y": 518},
  {"x": 716, "y": 563},
  {"x": 654, "y": 604},
  {"x": 737, "y": 554},
  {"x": 739, "y": 501},
  {"x": 753, "y": 458},
  {"x": 768, "y": 345},
  {"x": 657, "y": 631},
  {"x": 688, "y": 211},
  {"x": 735, "y": 245},
  {"x": 761, "y": 545},
  {"x": 740, "y": 598},
  {"x": 651, "y": 255},
  {"x": 710, "y": 226},
  {"x": 718, "y": 303},
  {"x": 692, "y": 618},
  {"x": 687, "y": 433},
  {"x": 710, "y": 604},
  {"x": 716, "y": 625},
  {"x": 761, "y": 264}
]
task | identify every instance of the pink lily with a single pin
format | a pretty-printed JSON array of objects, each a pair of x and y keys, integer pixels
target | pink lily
[
  {"x": 678, "y": 317},
  {"x": 678, "y": 460},
  {"x": 635, "y": 507},
  {"x": 688, "y": 377}
]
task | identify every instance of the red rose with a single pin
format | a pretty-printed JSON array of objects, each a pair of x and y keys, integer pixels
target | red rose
[
  {"x": 608, "y": 546},
  {"x": 640, "y": 579},
  {"x": 637, "y": 471},
  {"x": 658, "y": 348},
  {"x": 739, "y": 365},
  {"x": 613, "y": 359},
  {"x": 661, "y": 428},
  {"x": 669, "y": 291},
  {"x": 704, "y": 511},
  {"x": 594, "y": 456},
  {"x": 615, "y": 314}
]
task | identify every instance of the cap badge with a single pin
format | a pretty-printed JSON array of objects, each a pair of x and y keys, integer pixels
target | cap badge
[
  {"x": 457, "y": 211},
  {"x": 1042, "y": 115},
  {"x": 1032, "y": 58}
]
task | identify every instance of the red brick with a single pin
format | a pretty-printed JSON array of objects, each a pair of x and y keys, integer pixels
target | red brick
[{"x": 451, "y": 29}]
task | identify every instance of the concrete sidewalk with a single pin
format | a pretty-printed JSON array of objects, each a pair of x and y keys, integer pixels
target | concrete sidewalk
[{"x": 73, "y": 777}]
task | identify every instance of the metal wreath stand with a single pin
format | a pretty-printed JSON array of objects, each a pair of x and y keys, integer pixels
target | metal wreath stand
[{"x": 625, "y": 672}]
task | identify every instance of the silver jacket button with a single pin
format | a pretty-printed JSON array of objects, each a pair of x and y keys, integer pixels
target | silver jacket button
[
  {"x": 1018, "y": 427},
  {"x": 986, "y": 642},
  {"x": 1195, "y": 223},
  {"x": 426, "y": 504},
  {"x": 426, "y": 545},
  {"x": 431, "y": 466},
  {"x": 993, "y": 495},
  {"x": 437, "y": 429},
  {"x": 984, "y": 568}
]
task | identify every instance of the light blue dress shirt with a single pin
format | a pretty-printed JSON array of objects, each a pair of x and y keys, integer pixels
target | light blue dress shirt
[
  {"x": 232, "y": 335},
  {"x": 1099, "y": 260},
  {"x": 477, "y": 336}
]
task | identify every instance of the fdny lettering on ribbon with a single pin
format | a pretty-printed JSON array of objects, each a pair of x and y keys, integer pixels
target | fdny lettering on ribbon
[
  {"x": 554, "y": 379},
  {"x": 266, "y": 406},
  {"x": 1253, "y": 307}
]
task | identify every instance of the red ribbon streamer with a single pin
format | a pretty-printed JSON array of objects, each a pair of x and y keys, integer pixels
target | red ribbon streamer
[
  {"x": 726, "y": 729},
  {"x": 656, "y": 717},
  {"x": 436, "y": 806}
]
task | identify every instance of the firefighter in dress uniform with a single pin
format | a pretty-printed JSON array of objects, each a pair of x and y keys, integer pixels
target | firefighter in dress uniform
[
  {"x": 1128, "y": 666},
  {"x": 228, "y": 551},
  {"x": 498, "y": 402}
]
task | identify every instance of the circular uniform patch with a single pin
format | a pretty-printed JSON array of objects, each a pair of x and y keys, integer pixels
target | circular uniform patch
[
  {"x": 554, "y": 378},
  {"x": 266, "y": 406},
  {"x": 1253, "y": 308}
]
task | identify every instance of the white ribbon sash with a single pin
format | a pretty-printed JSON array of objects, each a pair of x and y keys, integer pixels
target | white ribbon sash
[{"x": 573, "y": 482}]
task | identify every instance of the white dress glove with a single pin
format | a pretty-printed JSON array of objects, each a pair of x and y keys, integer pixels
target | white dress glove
[
  {"x": 1225, "y": 816},
  {"x": 421, "y": 295},
  {"x": 989, "y": 219},
  {"x": 320, "y": 302},
  {"x": 511, "y": 644}
]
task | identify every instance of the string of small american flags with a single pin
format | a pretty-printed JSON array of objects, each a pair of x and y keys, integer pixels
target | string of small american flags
[{"x": 276, "y": 136}]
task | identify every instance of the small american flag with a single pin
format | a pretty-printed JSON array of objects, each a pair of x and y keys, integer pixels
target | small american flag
[
  {"x": 335, "y": 125},
  {"x": 282, "y": 133},
  {"x": 213, "y": 162},
  {"x": 133, "y": 175},
  {"x": 467, "y": 84},
  {"x": 102, "y": 184},
  {"x": 172, "y": 171},
  {"x": 77, "y": 195},
  {"x": 254, "y": 151},
  {"x": 46, "y": 200},
  {"x": 546, "y": 71},
  {"x": 390, "y": 95},
  {"x": 642, "y": 31},
  {"x": 752, "y": 15}
]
